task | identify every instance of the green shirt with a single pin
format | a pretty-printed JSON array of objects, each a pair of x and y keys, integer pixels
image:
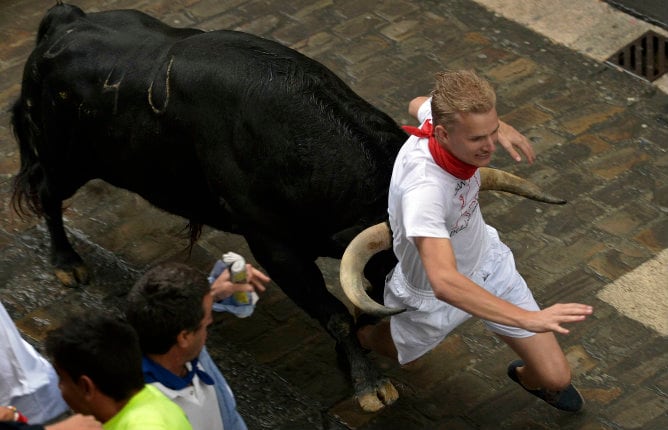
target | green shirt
[{"x": 149, "y": 409}]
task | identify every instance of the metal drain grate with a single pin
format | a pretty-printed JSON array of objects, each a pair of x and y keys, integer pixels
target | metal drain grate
[{"x": 645, "y": 57}]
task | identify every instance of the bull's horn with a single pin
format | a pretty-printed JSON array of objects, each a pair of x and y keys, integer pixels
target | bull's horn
[
  {"x": 498, "y": 180},
  {"x": 369, "y": 242}
]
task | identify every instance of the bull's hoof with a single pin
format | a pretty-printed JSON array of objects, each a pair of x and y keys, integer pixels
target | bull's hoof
[
  {"x": 73, "y": 276},
  {"x": 374, "y": 400}
]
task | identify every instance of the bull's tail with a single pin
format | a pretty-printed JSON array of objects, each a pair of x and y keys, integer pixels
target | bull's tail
[
  {"x": 30, "y": 178},
  {"x": 194, "y": 229}
]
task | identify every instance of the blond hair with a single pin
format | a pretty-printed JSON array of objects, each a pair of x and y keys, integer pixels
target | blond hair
[{"x": 459, "y": 92}]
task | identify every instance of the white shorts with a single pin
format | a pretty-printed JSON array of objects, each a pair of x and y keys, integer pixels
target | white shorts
[{"x": 428, "y": 320}]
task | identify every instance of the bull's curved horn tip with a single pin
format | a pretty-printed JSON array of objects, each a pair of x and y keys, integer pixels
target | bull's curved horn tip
[
  {"x": 394, "y": 311},
  {"x": 557, "y": 201}
]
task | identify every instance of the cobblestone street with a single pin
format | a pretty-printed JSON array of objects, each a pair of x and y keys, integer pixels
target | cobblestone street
[{"x": 601, "y": 136}]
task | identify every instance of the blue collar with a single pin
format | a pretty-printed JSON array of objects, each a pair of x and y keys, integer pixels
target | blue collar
[{"x": 153, "y": 372}]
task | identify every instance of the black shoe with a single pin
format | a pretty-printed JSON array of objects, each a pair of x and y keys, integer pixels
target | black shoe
[{"x": 568, "y": 399}]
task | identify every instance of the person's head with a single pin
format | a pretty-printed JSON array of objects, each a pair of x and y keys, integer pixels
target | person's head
[
  {"x": 171, "y": 305},
  {"x": 95, "y": 354},
  {"x": 464, "y": 113}
]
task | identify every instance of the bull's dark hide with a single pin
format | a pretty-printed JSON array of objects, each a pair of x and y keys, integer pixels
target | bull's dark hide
[{"x": 223, "y": 128}]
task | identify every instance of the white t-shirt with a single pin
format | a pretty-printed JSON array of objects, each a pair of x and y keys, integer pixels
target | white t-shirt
[
  {"x": 427, "y": 201},
  {"x": 196, "y": 399}
]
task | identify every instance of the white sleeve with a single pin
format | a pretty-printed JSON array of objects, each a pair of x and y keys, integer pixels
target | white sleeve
[{"x": 423, "y": 211}]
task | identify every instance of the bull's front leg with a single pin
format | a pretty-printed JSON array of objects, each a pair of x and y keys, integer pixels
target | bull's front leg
[
  {"x": 372, "y": 389},
  {"x": 302, "y": 281}
]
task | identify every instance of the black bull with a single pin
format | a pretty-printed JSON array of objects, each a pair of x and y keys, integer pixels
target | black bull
[{"x": 222, "y": 128}]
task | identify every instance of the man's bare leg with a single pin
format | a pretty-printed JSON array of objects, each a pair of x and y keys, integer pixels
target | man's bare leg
[
  {"x": 545, "y": 364},
  {"x": 544, "y": 371},
  {"x": 378, "y": 338}
]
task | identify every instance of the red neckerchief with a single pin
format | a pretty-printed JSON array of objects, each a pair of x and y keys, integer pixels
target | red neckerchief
[{"x": 442, "y": 157}]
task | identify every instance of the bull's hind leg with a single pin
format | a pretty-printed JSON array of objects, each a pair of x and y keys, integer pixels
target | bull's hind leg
[
  {"x": 68, "y": 266},
  {"x": 301, "y": 279},
  {"x": 41, "y": 174}
]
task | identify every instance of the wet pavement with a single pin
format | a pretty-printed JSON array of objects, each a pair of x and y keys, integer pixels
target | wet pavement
[{"x": 601, "y": 137}]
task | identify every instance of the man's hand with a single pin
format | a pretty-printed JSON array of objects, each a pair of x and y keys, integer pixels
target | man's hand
[
  {"x": 76, "y": 422},
  {"x": 510, "y": 139},
  {"x": 6, "y": 413},
  {"x": 256, "y": 281},
  {"x": 550, "y": 319}
]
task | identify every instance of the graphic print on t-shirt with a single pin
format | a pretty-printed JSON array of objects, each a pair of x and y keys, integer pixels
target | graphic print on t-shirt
[{"x": 468, "y": 205}]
